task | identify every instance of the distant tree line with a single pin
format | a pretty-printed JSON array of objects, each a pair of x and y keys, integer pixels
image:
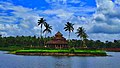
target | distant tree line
[
  {"x": 28, "y": 41},
  {"x": 96, "y": 44},
  {"x": 22, "y": 41}
]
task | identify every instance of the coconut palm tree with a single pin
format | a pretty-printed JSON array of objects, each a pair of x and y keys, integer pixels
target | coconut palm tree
[
  {"x": 69, "y": 27},
  {"x": 41, "y": 22},
  {"x": 47, "y": 29},
  {"x": 81, "y": 33}
]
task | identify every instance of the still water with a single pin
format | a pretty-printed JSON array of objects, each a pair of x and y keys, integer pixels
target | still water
[{"x": 15, "y": 61}]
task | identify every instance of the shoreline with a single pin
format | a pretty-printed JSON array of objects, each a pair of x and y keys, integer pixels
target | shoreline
[
  {"x": 20, "y": 48},
  {"x": 59, "y": 54},
  {"x": 111, "y": 49}
]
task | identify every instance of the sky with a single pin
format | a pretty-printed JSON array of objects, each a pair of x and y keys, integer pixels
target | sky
[{"x": 100, "y": 18}]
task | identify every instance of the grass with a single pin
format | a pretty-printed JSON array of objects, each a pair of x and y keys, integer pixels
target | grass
[
  {"x": 10, "y": 48},
  {"x": 91, "y": 51},
  {"x": 45, "y": 51},
  {"x": 62, "y": 51},
  {"x": 14, "y": 50}
]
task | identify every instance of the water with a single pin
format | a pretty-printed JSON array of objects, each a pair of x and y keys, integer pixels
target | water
[{"x": 15, "y": 61}]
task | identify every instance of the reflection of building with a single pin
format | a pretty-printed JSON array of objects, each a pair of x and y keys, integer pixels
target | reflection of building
[{"x": 57, "y": 42}]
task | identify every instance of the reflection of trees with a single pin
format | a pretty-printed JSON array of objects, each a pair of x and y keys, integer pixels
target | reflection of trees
[
  {"x": 62, "y": 62},
  {"x": 70, "y": 62},
  {"x": 79, "y": 62}
]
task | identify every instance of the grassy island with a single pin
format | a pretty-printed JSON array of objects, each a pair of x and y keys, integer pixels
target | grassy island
[{"x": 69, "y": 52}]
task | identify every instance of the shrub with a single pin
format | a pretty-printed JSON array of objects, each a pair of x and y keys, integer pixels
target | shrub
[{"x": 72, "y": 50}]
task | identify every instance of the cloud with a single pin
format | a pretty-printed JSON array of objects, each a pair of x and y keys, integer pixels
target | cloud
[
  {"x": 106, "y": 19},
  {"x": 59, "y": 13},
  {"x": 100, "y": 22},
  {"x": 117, "y": 2},
  {"x": 99, "y": 17},
  {"x": 71, "y": 6},
  {"x": 17, "y": 20},
  {"x": 104, "y": 23},
  {"x": 63, "y": 1},
  {"x": 104, "y": 37},
  {"x": 104, "y": 5},
  {"x": 108, "y": 29}
]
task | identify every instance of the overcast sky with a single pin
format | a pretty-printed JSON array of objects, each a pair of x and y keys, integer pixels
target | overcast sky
[{"x": 100, "y": 18}]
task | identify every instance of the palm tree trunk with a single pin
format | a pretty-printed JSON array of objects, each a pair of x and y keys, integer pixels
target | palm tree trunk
[
  {"x": 45, "y": 35},
  {"x": 45, "y": 38},
  {"x": 41, "y": 30},
  {"x": 84, "y": 45},
  {"x": 69, "y": 36},
  {"x": 41, "y": 36},
  {"x": 81, "y": 42}
]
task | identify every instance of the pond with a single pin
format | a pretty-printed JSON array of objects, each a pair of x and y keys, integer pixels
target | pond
[{"x": 19, "y": 61}]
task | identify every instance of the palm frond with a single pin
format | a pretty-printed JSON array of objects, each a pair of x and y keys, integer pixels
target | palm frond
[{"x": 48, "y": 28}]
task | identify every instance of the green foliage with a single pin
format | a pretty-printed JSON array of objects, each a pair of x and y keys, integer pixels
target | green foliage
[
  {"x": 81, "y": 33},
  {"x": 41, "y": 22},
  {"x": 29, "y": 42},
  {"x": 47, "y": 29},
  {"x": 11, "y": 48},
  {"x": 69, "y": 27},
  {"x": 72, "y": 50},
  {"x": 22, "y": 41},
  {"x": 43, "y": 51}
]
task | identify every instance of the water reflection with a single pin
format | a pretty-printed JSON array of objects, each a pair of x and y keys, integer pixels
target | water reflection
[
  {"x": 62, "y": 62},
  {"x": 70, "y": 62},
  {"x": 79, "y": 62},
  {"x": 15, "y": 61}
]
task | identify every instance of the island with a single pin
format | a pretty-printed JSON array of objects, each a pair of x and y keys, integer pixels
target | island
[{"x": 59, "y": 47}]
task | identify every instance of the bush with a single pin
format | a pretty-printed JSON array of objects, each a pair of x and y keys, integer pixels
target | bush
[{"x": 72, "y": 50}]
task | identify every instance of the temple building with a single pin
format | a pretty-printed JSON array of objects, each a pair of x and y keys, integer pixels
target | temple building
[{"x": 57, "y": 42}]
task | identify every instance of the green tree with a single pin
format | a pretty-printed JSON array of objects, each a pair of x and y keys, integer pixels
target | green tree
[
  {"x": 81, "y": 33},
  {"x": 41, "y": 22},
  {"x": 69, "y": 27},
  {"x": 47, "y": 29}
]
